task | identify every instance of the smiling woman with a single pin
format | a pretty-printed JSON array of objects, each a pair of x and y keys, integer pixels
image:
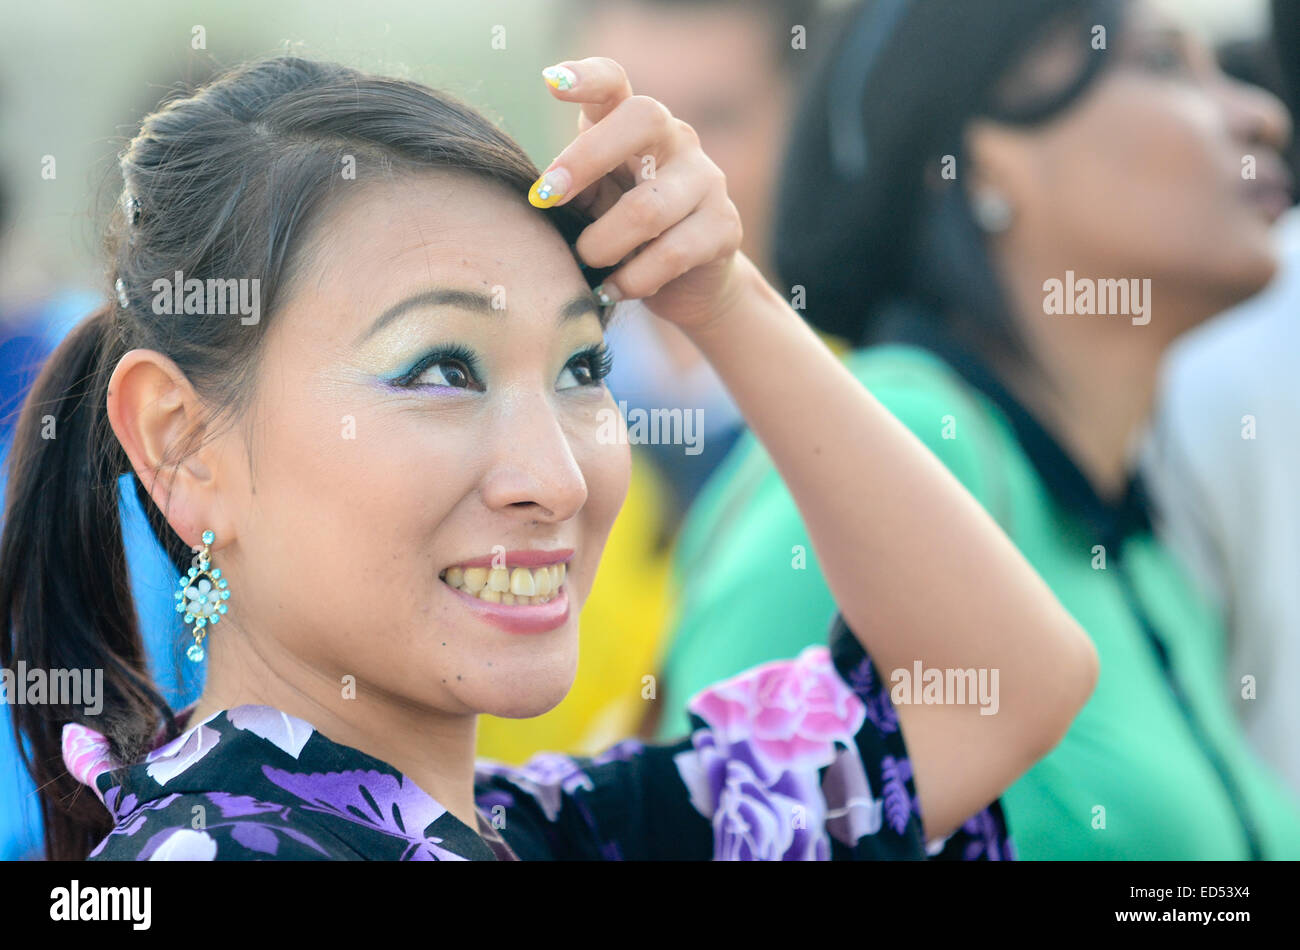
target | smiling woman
[{"x": 415, "y": 425}]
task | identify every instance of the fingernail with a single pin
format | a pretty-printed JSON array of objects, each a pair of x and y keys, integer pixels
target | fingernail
[
  {"x": 560, "y": 77},
  {"x": 608, "y": 294},
  {"x": 549, "y": 189}
]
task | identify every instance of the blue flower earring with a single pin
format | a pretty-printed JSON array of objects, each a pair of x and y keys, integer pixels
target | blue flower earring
[{"x": 202, "y": 597}]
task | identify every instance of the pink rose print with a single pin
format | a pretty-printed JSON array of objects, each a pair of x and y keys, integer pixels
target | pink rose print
[
  {"x": 86, "y": 754},
  {"x": 791, "y": 712}
]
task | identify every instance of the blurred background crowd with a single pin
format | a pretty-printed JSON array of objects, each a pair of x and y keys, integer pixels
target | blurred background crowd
[{"x": 911, "y": 176}]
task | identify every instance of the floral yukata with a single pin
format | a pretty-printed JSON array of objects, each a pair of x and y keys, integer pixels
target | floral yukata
[{"x": 794, "y": 760}]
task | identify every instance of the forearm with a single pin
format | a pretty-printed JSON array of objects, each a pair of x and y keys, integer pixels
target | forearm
[{"x": 916, "y": 566}]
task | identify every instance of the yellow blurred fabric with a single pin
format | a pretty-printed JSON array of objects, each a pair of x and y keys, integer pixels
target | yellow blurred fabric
[{"x": 619, "y": 629}]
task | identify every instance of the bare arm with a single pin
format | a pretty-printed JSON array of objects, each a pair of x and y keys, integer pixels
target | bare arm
[{"x": 917, "y": 567}]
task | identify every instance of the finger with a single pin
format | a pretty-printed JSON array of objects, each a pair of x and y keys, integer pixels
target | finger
[
  {"x": 705, "y": 236},
  {"x": 637, "y": 127},
  {"x": 597, "y": 83},
  {"x": 643, "y": 213},
  {"x": 596, "y": 199}
]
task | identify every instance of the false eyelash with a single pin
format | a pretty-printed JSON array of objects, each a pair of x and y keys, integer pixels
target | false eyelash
[
  {"x": 599, "y": 357},
  {"x": 457, "y": 352}
]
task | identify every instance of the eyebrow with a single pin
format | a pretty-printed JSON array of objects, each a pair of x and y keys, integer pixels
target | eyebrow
[
  {"x": 579, "y": 306},
  {"x": 1163, "y": 32}
]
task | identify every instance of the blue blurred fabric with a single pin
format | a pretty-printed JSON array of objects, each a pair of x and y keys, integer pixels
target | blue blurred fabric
[{"x": 28, "y": 338}]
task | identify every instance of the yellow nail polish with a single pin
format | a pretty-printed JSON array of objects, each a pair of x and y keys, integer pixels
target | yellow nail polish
[{"x": 549, "y": 189}]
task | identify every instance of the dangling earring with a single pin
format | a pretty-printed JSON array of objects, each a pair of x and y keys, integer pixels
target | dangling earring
[
  {"x": 993, "y": 212},
  {"x": 202, "y": 597}
]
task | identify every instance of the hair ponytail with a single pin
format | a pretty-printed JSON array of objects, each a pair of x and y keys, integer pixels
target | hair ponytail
[{"x": 65, "y": 595}]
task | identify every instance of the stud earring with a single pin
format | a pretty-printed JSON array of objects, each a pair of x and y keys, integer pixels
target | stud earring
[
  {"x": 993, "y": 212},
  {"x": 202, "y": 597}
]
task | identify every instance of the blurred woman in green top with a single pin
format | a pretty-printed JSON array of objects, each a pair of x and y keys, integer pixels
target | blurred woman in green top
[{"x": 1014, "y": 206}]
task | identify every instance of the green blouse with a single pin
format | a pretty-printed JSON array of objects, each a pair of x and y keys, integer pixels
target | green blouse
[{"x": 1154, "y": 767}]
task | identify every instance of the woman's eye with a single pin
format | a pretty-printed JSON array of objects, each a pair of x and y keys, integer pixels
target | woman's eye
[
  {"x": 585, "y": 369},
  {"x": 452, "y": 374},
  {"x": 575, "y": 374},
  {"x": 1163, "y": 59}
]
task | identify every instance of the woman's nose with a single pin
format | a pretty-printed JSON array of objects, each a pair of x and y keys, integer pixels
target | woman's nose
[
  {"x": 1257, "y": 116},
  {"x": 533, "y": 470}
]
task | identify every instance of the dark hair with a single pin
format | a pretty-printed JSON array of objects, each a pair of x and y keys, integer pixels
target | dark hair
[
  {"x": 883, "y": 245},
  {"x": 224, "y": 182}
]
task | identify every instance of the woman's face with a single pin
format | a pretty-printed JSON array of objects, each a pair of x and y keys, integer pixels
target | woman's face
[
  {"x": 429, "y": 411},
  {"x": 1165, "y": 169}
]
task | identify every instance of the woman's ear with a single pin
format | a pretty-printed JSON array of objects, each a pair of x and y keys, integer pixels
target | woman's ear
[
  {"x": 158, "y": 418},
  {"x": 1000, "y": 179},
  {"x": 995, "y": 156}
]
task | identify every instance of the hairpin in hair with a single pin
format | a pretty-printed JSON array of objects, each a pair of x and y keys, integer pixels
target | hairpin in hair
[
  {"x": 131, "y": 208},
  {"x": 122, "y": 298}
]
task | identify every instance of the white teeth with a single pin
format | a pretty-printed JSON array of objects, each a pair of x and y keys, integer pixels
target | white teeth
[{"x": 498, "y": 585}]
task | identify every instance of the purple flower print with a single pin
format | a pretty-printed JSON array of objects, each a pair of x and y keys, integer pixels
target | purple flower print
[
  {"x": 754, "y": 772},
  {"x": 547, "y": 777},
  {"x": 265, "y": 838},
  {"x": 130, "y": 816},
  {"x": 287, "y": 733},
  {"x": 753, "y": 818},
  {"x": 791, "y": 712},
  {"x": 985, "y": 839},
  {"x": 494, "y": 797},
  {"x": 257, "y": 836},
  {"x": 880, "y": 711},
  {"x": 121, "y": 807},
  {"x": 118, "y": 806},
  {"x": 852, "y": 811},
  {"x": 747, "y": 824},
  {"x": 195, "y": 844},
  {"x": 181, "y": 753},
  {"x": 757, "y": 823},
  {"x": 898, "y": 806},
  {"x": 182, "y": 844},
  {"x": 385, "y": 803},
  {"x": 241, "y": 806},
  {"x": 624, "y": 751}
]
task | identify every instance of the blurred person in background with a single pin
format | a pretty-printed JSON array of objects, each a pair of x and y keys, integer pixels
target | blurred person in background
[
  {"x": 953, "y": 169},
  {"x": 1223, "y": 461},
  {"x": 729, "y": 69}
]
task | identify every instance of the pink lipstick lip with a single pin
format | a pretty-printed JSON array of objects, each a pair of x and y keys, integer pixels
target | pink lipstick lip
[
  {"x": 513, "y": 559},
  {"x": 1273, "y": 199},
  {"x": 517, "y": 618},
  {"x": 1273, "y": 186}
]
